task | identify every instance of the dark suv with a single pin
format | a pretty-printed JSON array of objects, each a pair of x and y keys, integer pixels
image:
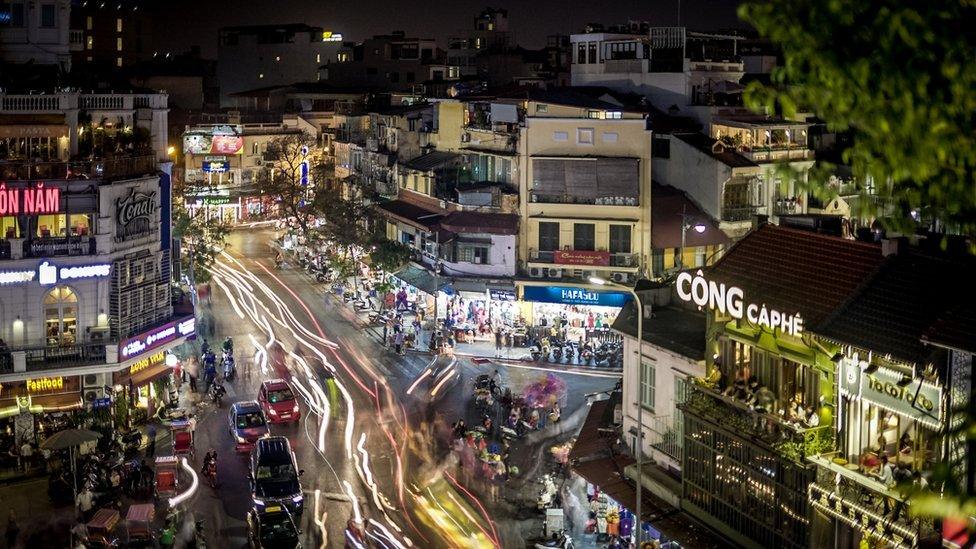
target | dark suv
[{"x": 274, "y": 476}]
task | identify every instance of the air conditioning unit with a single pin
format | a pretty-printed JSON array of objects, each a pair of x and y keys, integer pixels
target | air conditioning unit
[
  {"x": 94, "y": 381},
  {"x": 259, "y": 162},
  {"x": 586, "y": 275},
  {"x": 465, "y": 137},
  {"x": 554, "y": 273},
  {"x": 620, "y": 278},
  {"x": 537, "y": 272},
  {"x": 92, "y": 395}
]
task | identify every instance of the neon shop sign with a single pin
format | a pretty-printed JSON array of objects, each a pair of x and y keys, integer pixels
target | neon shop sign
[
  {"x": 36, "y": 200},
  {"x": 168, "y": 332},
  {"x": 730, "y": 300},
  {"x": 48, "y": 274}
]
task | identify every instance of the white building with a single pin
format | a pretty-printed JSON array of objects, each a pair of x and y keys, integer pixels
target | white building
[
  {"x": 85, "y": 268},
  {"x": 36, "y": 32},
  {"x": 673, "y": 350},
  {"x": 672, "y": 67}
]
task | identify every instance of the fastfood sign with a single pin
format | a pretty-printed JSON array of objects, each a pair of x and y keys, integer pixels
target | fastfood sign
[{"x": 731, "y": 300}]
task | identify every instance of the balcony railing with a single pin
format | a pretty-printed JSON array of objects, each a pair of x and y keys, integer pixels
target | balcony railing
[
  {"x": 846, "y": 494},
  {"x": 542, "y": 198},
  {"x": 775, "y": 154},
  {"x": 739, "y": 213},
  {"x": 786, "y": 206},
  {"x": 60, "y": 246},
  {"x": 665, "y": 436},
  {"x": 46, "y": 358},
  {"x": 773, "y": 431},
  {"x": 112, "y": 168},
  {"x": 498, "y": 139}
]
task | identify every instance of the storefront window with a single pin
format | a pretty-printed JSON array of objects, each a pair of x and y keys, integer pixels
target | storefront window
[
  {"x": 746, "y": 370},
  {"x": 52, "y": 225},
  {"x": 61, "y": 316},
  {"x": 8, "y": 227}
]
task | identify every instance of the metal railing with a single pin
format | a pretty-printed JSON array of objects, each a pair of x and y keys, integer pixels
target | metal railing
[
  {"x": 108, "y": 168},
  {"x": 48, "y": 357},
  {"x": 60, "y": 246},
  {"x": 543, "y": 198},
  {"x": 666, "y": 436},
  {"x": 739, "y": 213}
]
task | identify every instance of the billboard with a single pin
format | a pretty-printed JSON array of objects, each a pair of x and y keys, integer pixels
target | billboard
[{"x": 213, "y": 140}]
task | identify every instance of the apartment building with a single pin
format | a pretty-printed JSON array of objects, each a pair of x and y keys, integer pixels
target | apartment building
[
  {"x": 36, "y": 32},
  {"x": 393, "y": 62},
  {"x": 106, "y": 35}
]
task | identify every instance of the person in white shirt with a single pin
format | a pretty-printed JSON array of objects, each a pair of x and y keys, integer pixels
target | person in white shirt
[
  {"x": 26, "y": 455},
  {"x": 85, "y": 501}
]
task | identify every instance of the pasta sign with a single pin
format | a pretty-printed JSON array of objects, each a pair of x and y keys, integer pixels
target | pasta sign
[{"x": 37, "y": 200}]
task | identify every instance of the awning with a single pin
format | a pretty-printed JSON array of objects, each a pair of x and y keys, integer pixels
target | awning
[
  {"x": 419, "y": 278},
  {"x": 411, "y": 214},
  {"x": 56, "y": 403},
  {"x": 151, "y": 373},
  {"x": 590, "y": 440}
]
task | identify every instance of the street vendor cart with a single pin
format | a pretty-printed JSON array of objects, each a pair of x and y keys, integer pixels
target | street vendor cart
[
  {"x": 138, "y": 524},
  {"x": 100, "y": 530}
]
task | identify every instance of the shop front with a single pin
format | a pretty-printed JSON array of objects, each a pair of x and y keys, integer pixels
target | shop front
[
  {"x": 476, "y": 309},
  {"x": 142, "y": 385},
  {"x": 575, "y": 313},
  {"x": 33, "y": 409},
  {"x": 416, "y": 289}
]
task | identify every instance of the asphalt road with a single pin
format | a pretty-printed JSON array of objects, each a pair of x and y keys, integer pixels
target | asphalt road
[{"x": 362, "y": 440}]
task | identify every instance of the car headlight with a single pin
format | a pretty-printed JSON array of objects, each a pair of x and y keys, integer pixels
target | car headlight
[
  {"x": 240, "y": 440},
  {"x": 295, "y": 409},
  {"x": 272, "y": 411},
  {"x": 259, "y": 502},
  {"x": 297, "y": 499}
]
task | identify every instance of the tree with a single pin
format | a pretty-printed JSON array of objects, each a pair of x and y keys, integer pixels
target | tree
[
  {"x": 388, "y": 255},
  {"x": 899, "y": 76},
  {"x": 202, "y": 237},
  {"x": 292, "y": 163}
]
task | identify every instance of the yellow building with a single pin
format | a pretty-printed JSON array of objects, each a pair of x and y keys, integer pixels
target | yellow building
[{"x": 585, "y": 190}]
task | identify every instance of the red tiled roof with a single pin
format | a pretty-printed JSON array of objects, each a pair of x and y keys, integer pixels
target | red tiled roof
[
  {"x": 667, "y": 206},
  {"x": 956, "y": 329},
  {"x": 795, "y": 270},
  {"x": 481, "y": 222}
]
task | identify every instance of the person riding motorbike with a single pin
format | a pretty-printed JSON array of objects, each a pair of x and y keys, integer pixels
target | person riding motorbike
[
  {"x": 217, "y": 392},
  {"x": 209, "y": 369},
  {"x": 204, "y": 347},
  {"x": 209, "y": 469},
  {"x": 229, "y": 344}
]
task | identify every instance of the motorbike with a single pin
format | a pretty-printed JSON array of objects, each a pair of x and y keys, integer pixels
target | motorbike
[
  {"x": 560, "y": 540},
  {"x": 217, "y": 393},
  {"x": 199, "y": 539},
  {"x": 131, "y": 441},
  {"x": 557, "y": 352},
  {"x": 210, "y": 471},
  {"x": 228, "y": 345},
  {"x": 229, "y": 367}
]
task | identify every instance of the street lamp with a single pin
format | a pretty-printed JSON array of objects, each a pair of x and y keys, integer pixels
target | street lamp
[
  {"x": 640, "y": 383},
  {"x": 687, "y": 222}
]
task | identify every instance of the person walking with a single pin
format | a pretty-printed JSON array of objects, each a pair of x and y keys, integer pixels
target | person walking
[
  {"x": 193, "y": 372},
  {"x": 498, "y": 342},
  {"x": 398, "y": 339},
  {"x": 147, "y": 477},
  {"x": 509, "y": 341},
  {"x": 26, "y": 455},
  {"x": 151, "y": 449}
]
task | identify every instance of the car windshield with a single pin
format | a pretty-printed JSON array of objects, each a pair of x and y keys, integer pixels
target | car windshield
[
  {"x": 276, "y": 473},
  {"x": 250, "y": 419},
  {"x": 280, "y": 395},
  {"x": 277, "y": 527}
]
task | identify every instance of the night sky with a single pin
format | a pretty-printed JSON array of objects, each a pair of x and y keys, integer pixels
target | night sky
[{"x": 531, "y": 20}]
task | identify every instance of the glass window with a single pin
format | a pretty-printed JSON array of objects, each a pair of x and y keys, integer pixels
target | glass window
[
  {"x": 61, "y": 316},
  {"x": 9, "y": 227},
  {"x": 584, "y": 136},
  {"x": 591, "y": 50},
  {"x": 280, "y": 395},
  {"x": 620, "y": 239},
  {"x": 118, "y": 24},
  {"x": 647, "y": 384},
  {"x": 17, "y": 15},
  {"x": 52, "y": 225},
  {"x": 47, "y": 15},
  {"x": 580, "y": 54},
  {"x": 584, "y": 236},
  {"x": 250, "y": 419},
  {"x": 88, "y": 22},
  {"x": 548, "y": 236}
]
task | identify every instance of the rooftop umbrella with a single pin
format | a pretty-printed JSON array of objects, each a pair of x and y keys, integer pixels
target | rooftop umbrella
[{"x": 69, "y": 438}]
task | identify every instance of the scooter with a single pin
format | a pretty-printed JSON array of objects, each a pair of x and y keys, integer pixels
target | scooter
[
  {"x": 560, "y": 540},
  {"x": 230, "y": 369},
  {"x": 217, "y": 392},
  {"x": 547, "y": 494}
]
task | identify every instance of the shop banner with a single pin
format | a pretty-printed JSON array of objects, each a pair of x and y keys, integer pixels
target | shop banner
[
  {"x": 146, "y": 341},
  {"x": 574, "y": 296},
  {"x": 501, "y": 295},
  {"x": 215, "y": 166},
  {"x": 580, "y": 257},
  {"x": 916, "y": 400}
]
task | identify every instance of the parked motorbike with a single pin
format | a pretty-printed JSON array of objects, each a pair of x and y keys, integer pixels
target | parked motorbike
[
  {"x": 217, "y": 392},
  {"x": 548, "y": 493},
  {"x": 131, "y": 441},
  {"x": 560, "y": 540}
]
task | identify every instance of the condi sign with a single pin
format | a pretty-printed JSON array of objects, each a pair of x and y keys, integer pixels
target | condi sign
[{"x": 731, "y": 300}]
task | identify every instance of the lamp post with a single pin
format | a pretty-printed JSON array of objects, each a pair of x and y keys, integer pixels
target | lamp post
[
  {"x": 640, "y": 405},
  {"x": 687, "y": 222}
]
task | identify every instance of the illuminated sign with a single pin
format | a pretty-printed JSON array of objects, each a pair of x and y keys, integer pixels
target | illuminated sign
[
  {"x": 135, "y": 346},
  {"x": 37, "y": 200},
  {"x": 144, "y": 363},
  {"x": 862, "y": 518},
  {"x": 48, "y": 274},
  {"x": 329, "y": 36},
  {"x": 213, "y": 200},
  {"x": 731, "y": 300},
  {"x": 581, "y": 257},
  {"x": 16, "y": 277},
  {"x": 134, "y": 214},
  {"x": 916, "y": 399},
  {"x": 574, "y": 296},
  {"x": 45, "y": 385},
  {"x": 219, "y": 140},
  {"x": 216, "y": 166}
]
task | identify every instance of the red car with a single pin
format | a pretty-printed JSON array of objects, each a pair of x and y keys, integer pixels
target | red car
[{"x": 278, "y": 401}]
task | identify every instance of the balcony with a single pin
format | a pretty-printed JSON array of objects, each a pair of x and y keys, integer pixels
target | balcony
[
  {"x": 789, "y": 440},
  {"x": 60, "y": 246},
  {"x": 498, "y": 140},
  {"x": 76, "y": 40},
  {"x": 574, "y": 199},
  {"x": 43, "y": 358},
  {"x": 786, "y": 205},
  {"x": 114, "y": 168},
  {"x": 773, "y": 154},
  {"x": 841, "y": 491},
  {"x": 733, "y": 214}
]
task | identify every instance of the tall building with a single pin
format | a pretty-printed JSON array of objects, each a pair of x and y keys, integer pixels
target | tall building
[
  {"x": 393, "y": 62},
  {"x": 86, "y": 305},
  {"x": 259, "y": 56},
  {"x": 488, "y": 32},
  {"x": 107, "y": 35},
  {"x": 36, "y": 32}
]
